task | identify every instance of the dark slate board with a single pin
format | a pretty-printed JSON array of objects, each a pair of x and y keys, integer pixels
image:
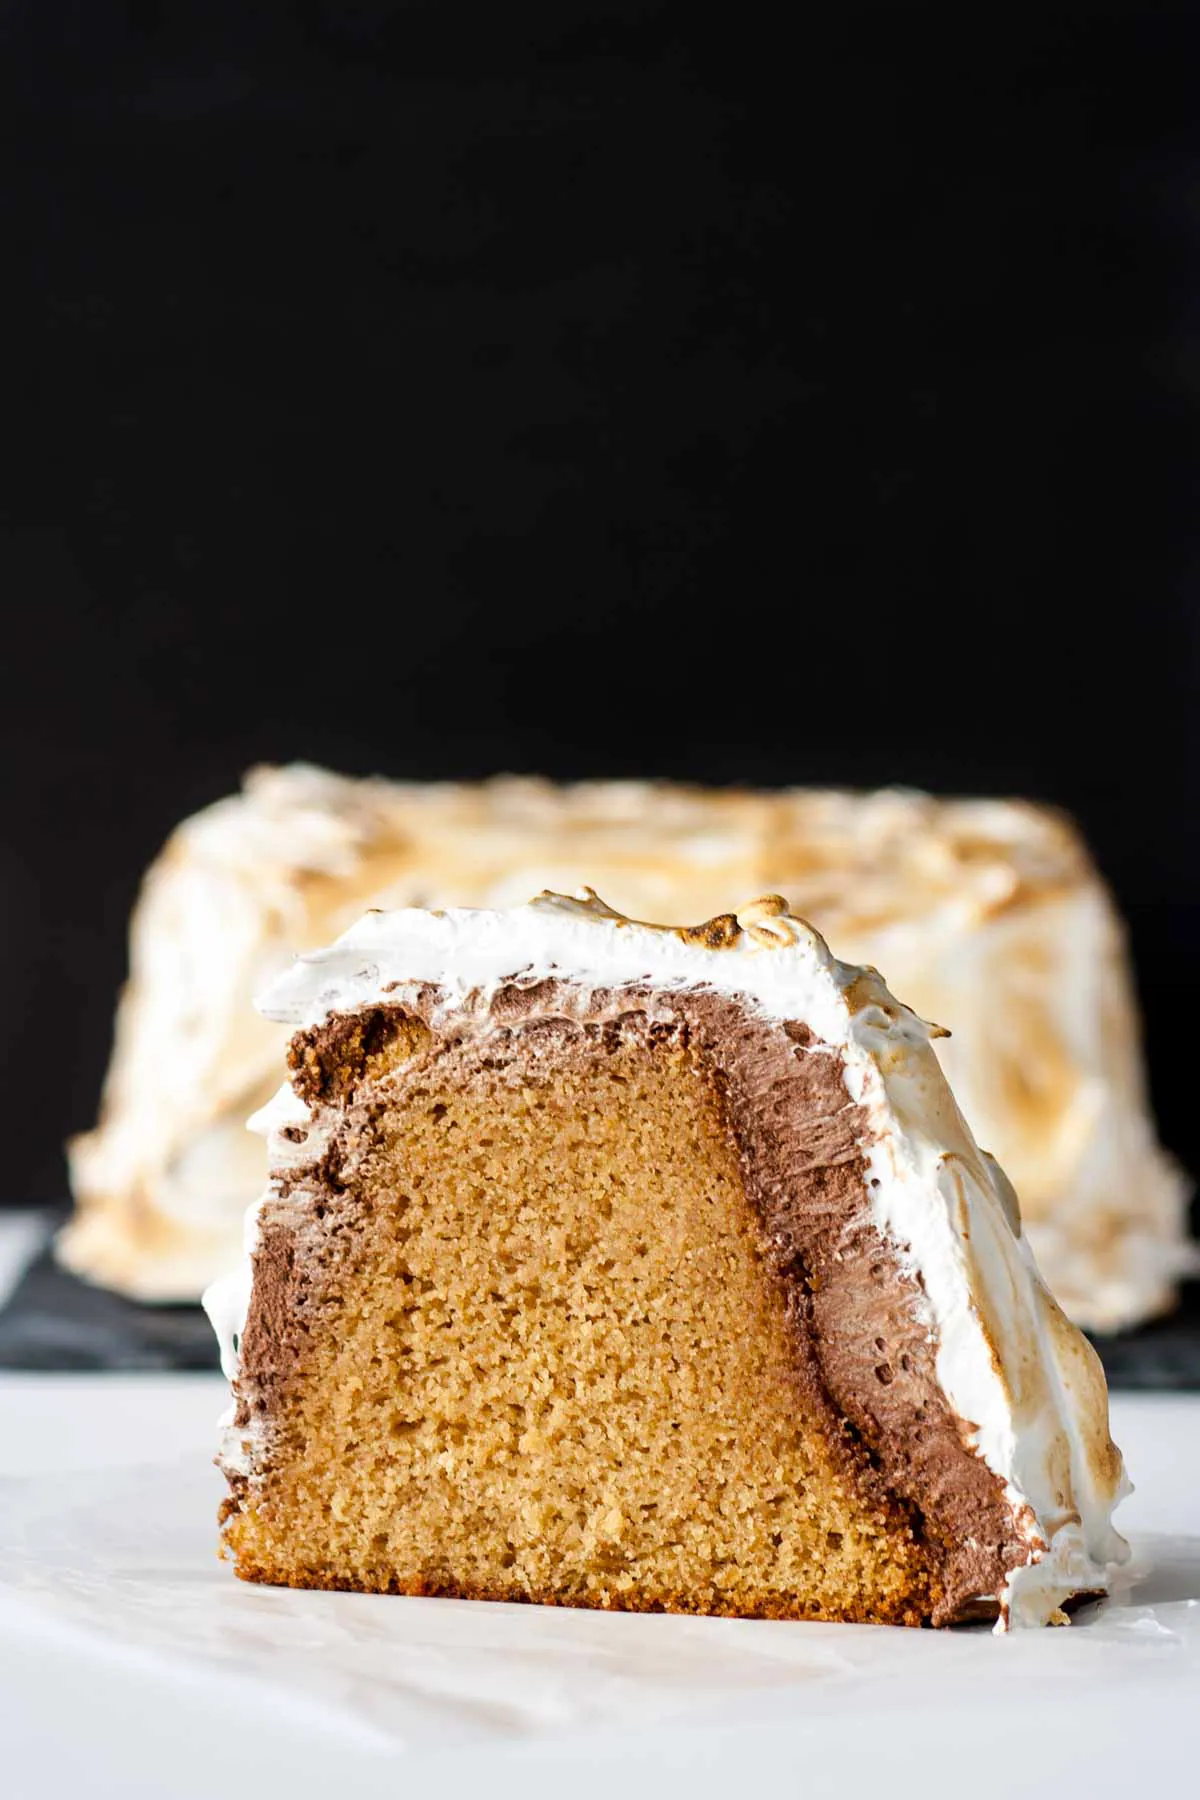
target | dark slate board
[
  {"x": 1165, "y": 1354},
  {"x": 55, "y": 1321}
]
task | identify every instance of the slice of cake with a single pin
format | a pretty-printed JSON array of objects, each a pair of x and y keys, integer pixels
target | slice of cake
[
  {"x": 612, "y": 1265},
  {"x": 988, "y": 915}
]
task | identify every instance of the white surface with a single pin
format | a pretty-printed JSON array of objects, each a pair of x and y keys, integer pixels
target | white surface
[{"x": 132, "y": 1663}]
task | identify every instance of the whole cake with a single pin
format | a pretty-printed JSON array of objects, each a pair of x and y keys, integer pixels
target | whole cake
[
  {"x": 988, "y": 915},
  {"x": 611, "y": 1265}
]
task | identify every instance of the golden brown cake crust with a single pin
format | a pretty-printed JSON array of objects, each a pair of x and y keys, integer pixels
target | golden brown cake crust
[
  {"x": 905, "y": 1611},
  {"x": 862, "y": 1354}
]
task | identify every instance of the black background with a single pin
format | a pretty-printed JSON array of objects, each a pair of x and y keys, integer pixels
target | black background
[{"x": 437, "y": 389}]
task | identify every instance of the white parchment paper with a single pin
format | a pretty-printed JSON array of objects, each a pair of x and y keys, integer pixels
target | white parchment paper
[{"x": 128, "y": 1558}]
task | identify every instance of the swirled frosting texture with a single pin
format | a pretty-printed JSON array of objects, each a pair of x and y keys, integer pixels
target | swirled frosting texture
[
  {"x": 987, "y": 914},
  {"x": 1025, "y": 1384}
]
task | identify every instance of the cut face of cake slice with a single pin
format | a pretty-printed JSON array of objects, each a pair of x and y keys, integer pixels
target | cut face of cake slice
[{"x": 613, "y": 1265}]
